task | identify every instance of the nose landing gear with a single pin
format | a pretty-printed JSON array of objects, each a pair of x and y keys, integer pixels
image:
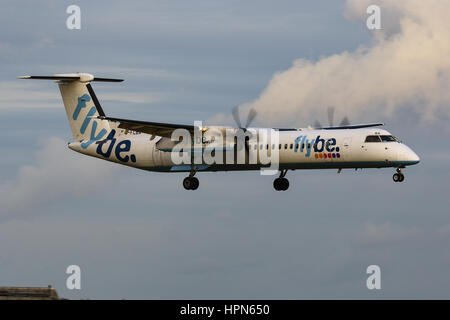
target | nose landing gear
[
  {"x": 398, "y": 177},
  {"x": 281, "y": 183}
]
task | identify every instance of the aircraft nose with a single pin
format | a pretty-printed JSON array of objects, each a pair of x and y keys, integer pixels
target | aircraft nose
[{"x": 412, "y": 157}]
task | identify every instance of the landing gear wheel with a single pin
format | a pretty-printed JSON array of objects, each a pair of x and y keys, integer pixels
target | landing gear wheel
[
  {"x": 396, "y": 177},
  {"x": 195, "y": 183},
  {"x": 284, "y": 184},
  {"x": 281, "y": 184},
  {"x": 276, "y": 184},
  {"x": 187, "y": 183},
  {"x": 190, "y": 183}
]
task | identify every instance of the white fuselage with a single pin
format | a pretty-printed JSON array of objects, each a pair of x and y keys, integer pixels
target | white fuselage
[{"x": 297, "y": 149}]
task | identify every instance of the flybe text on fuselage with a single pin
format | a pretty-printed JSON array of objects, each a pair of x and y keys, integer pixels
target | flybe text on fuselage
[{"x": 327, "y": 147}]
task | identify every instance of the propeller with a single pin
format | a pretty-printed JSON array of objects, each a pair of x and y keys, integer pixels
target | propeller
[
  {"x": 345, "y": 121},
  {"x": 317, "y": 124},
  {"x": 250, "y": 117},
  {"x": 330, "y": 112}
]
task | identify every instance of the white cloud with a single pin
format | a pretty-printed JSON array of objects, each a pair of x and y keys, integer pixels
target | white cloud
[
  {"x": 58, "y": 173},
  {"x": 407, "y": 66}
]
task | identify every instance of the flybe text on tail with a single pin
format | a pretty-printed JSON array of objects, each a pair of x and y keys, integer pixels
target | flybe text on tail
[{"x": 92, "y": 111}]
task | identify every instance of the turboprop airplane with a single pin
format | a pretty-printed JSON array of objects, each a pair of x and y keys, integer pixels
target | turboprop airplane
[{"x": 168, "y": 147}]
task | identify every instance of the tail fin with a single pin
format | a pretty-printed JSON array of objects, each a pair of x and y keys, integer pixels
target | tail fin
[{"x": 82, "y": 106}]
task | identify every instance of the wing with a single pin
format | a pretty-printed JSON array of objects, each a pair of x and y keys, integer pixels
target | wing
[
  {"x": 153, "y": 128},
  {"x": 353, "y": 126}
]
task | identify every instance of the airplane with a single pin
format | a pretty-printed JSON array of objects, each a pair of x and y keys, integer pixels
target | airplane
[{"x": 151, "y": 146}]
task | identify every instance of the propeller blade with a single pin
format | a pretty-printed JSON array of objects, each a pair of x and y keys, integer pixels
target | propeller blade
[
  {"x": 345, "y": 122},
  {"x": 235, "y": 113},
  {"x": 330, "y": 111},
  {"x": 251, "y": 116}
]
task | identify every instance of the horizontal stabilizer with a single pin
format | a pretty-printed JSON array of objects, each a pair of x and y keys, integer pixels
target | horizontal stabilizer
[{"x": 83, "y": 77}]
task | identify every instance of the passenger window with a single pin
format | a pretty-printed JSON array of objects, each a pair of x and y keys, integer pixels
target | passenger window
[
  {"x": 273, "y": 147},
  {"x": 267, "y": 146},
  {"x": 373, "y": 139},
  {"x": 291, "y": 146},
  {"x": 285, "y": 146},
  {"x": 260, "y": 147},
  {"x": 279, "y": 146}
]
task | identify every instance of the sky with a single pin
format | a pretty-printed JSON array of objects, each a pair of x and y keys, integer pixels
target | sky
[{"x": 140, "y": 235}]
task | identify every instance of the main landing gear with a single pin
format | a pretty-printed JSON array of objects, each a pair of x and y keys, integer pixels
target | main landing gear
[
  {"x": 281, "y": 183},
  {"x": 398, "y": 177},
  {"x": 191, "y": 182}
]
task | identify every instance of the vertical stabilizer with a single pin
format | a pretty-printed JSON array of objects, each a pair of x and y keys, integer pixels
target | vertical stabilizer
[{"x": 82, "y": 106}]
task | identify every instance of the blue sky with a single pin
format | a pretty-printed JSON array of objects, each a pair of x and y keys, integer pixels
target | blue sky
[{"x": 139, "y": 234}]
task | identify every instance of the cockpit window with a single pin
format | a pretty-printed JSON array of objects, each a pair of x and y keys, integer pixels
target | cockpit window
[
  {"x": 388, "y": 138},
  {"x": 373, "y": 139}
]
